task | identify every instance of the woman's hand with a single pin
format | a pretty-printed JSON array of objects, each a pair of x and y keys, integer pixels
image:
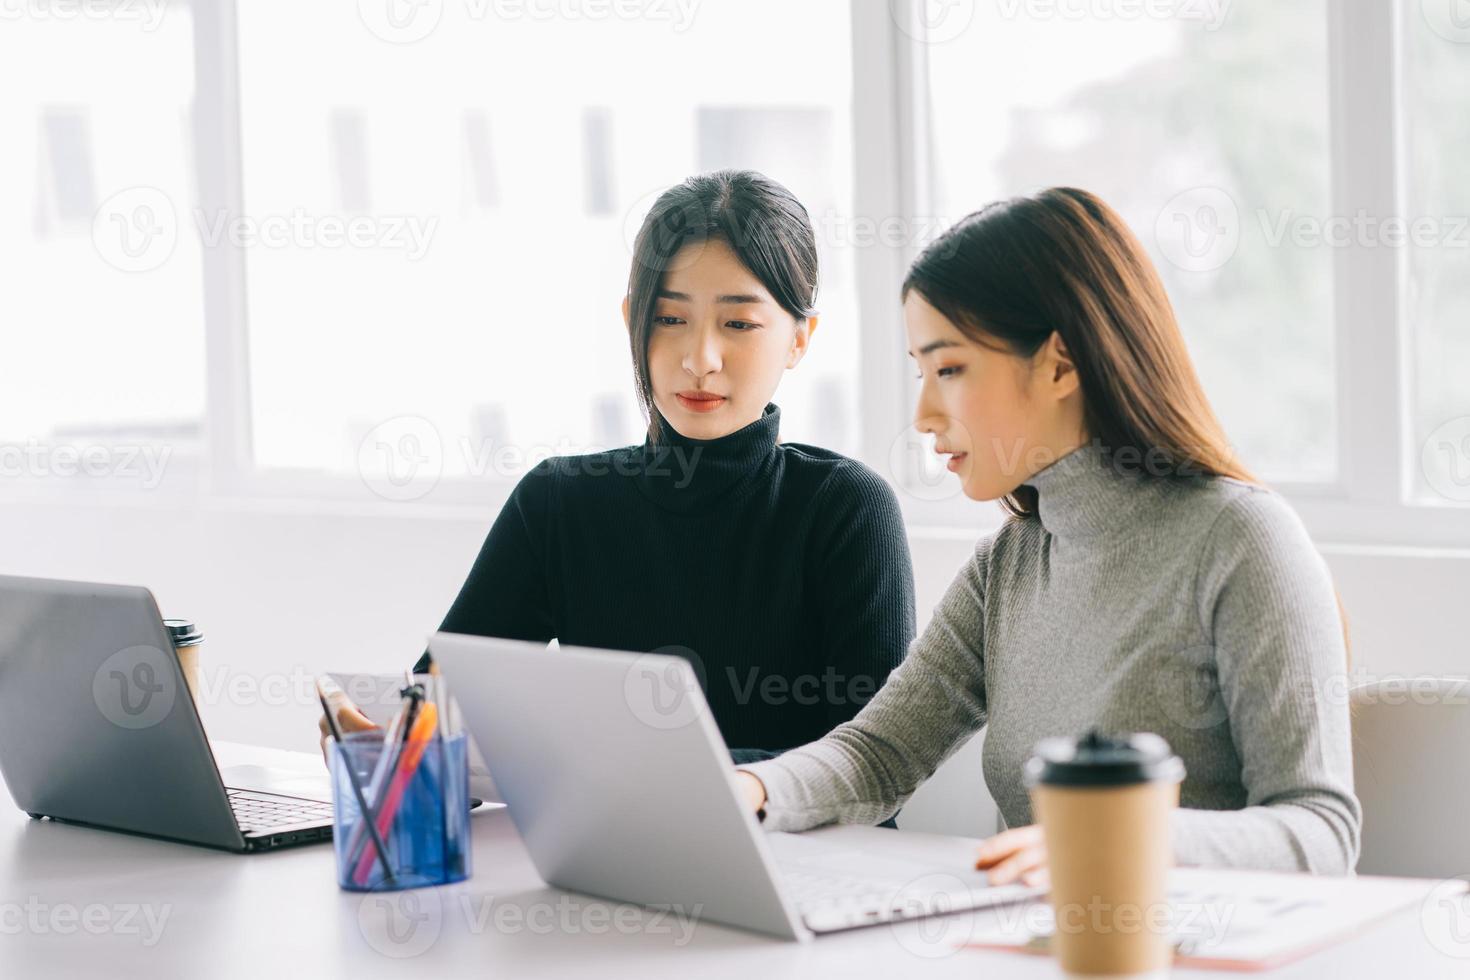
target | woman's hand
[
  {"x": 349, "y": 719},
  {"x": 1014, "y": 854},
  {"x": 752, "y": 790}
]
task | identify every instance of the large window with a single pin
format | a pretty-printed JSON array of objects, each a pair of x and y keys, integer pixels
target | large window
[
  {"x": 310, "y": 245},
  {"x": 1206, "y": 126},
  {"x": 497, "y": 160},
  {"x": 103, "y": 373},
  {"x": 1437, "y": 303}
]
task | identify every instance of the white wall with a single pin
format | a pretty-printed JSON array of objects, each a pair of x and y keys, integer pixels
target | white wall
[{"x": 285, "y": 592}]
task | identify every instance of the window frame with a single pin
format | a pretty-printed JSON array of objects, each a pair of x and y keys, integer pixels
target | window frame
[{"x": 1368, "y": 503}]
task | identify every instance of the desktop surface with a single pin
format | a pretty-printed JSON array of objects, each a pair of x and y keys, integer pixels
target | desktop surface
[{"x": 77, "y": 901}]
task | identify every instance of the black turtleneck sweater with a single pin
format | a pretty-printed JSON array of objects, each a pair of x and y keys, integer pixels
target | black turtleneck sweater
[{"x": 780, "y": 570}]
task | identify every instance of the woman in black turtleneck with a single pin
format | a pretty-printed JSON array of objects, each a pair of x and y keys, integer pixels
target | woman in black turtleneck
[{"x": 780, "y": 570}]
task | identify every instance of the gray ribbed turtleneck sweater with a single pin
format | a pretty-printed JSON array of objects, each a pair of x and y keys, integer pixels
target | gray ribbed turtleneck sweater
[{"x": 1196, "y": 608}]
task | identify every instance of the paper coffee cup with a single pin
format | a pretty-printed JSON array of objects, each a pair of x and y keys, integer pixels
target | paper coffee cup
[
  {"x": 188, "y": 642},
  {"x": 1103, "y": 805}
]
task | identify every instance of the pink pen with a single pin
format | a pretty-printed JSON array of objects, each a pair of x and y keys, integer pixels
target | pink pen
[{"x": 408, "y": 763}]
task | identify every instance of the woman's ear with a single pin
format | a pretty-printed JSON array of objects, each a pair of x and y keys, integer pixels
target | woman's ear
[
  {"x": 805, "y": 327},
  {"x": 625, "y": 313},
  {"x": 1060, "y": 369}
]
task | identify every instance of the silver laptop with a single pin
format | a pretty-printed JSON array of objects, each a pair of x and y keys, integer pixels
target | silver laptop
[
  {"x": 97, "y": 726},
  {"x": 621, "y": 787}
]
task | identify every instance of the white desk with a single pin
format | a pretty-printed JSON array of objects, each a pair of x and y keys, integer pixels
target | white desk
[{"x": 280, "y": 916}]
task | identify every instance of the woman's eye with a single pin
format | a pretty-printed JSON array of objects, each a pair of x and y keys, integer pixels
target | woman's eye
[
  {"x": 743, "y": 325},
  {"x": 667, "y": 321},
  {"x": 944, "y": 372}
]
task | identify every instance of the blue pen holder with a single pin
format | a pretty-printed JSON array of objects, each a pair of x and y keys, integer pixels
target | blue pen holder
[{"x": 428, "y": 836}]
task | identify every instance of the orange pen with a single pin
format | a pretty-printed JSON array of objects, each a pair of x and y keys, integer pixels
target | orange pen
[{"x": 413, "y": 753}]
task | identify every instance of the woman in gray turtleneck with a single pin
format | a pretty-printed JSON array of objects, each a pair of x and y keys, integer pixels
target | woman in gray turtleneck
[{"x": 1144, "y": 580}]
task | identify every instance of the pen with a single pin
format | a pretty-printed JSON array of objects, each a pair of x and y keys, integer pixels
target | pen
[
  {"x": 387, "y": 759},
  {"x": 408, "y": 762},
  {"x": 362, "y": 806},
  {"x": 395, "y": 746},
  {"x": 441, "y": 696}
]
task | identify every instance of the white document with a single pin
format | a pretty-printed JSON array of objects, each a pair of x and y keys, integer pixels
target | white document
[{"x": 1259, "y": 920}]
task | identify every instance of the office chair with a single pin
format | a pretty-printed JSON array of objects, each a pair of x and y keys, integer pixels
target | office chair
[{"x": 1411, "y": 763}]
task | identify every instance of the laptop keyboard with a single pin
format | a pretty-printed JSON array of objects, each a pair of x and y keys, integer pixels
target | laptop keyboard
[
  {"x": 258, "y": 812},
  {"x": 820, "y": 890},
  {"x": 828, "y": 901}
]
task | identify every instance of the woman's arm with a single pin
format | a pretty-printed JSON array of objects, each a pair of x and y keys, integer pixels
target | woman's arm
[
  {"x": 863, "y": 579},
  {"x": 506, "y": 593},
  {"x": 1266, "y": 598},
  {"x": 864, "y": 770}
]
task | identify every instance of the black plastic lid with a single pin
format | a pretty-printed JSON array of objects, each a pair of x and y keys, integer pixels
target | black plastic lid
[
  {"x": 1103, "y": 760},
  {"x": 183, "y": 632}
]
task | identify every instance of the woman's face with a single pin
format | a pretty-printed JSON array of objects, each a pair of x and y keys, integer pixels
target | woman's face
[
  {"x": 718, "y": 344},
  {"x": 998, "y": 417}
]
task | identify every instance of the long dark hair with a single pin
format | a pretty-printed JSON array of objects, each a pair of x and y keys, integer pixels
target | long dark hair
[
  {"x": 1014, "y": 272},
  {"x": 761, "y": 221}
]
